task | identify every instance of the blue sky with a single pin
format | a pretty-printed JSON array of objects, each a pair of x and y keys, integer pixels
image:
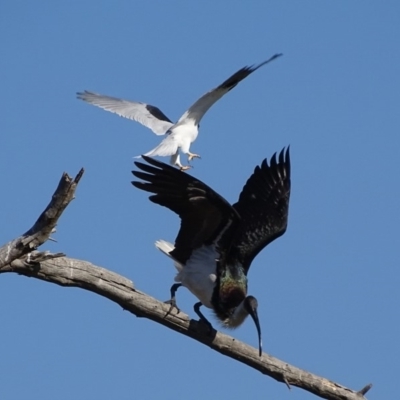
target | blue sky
[{"x": 328, "y": 290}]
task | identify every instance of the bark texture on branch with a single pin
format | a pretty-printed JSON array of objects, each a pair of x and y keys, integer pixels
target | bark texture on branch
[
  {"x": 45, "y": 224},
  {"x": 76, "y": 273},
  {"x": 19, "y": 256}
]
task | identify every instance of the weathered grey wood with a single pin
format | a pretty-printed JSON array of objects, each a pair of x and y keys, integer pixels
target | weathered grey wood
[
  {"x": 19, "y": 256},
  {"x": 70, "y": 272},
  {"x": 45, "y": 224}
]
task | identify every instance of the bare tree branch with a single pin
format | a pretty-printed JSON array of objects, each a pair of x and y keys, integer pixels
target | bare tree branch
[
  {"x": 17, "y": 256},
  {"x": 70, "y": 272},
  {"x": 45, "y": 224}
]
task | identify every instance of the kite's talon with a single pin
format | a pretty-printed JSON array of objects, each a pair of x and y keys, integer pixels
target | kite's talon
[{"x": 191, "y": 156}]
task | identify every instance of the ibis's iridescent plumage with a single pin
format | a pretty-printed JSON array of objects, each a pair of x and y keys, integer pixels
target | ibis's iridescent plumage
[
  {"x": 181, "y": 134},
  {"x": 217, "y": 241}
]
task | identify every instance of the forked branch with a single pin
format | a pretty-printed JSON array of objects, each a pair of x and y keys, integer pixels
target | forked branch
[{"x": 45, "y": 224}]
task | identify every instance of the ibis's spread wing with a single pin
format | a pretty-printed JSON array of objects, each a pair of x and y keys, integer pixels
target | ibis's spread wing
[
  {"x": 263, "y": 206},
  {"x": 205, "y": 215}
]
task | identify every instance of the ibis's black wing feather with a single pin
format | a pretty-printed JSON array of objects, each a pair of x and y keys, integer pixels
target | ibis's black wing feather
[
  {"x": 205, "y": 215},
  {"x": 263, "y": 207}
]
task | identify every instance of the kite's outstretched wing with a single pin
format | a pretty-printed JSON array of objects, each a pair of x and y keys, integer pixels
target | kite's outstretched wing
[
  {"x": 202, "y": 105},
  {"x": 149, "y": 116}
]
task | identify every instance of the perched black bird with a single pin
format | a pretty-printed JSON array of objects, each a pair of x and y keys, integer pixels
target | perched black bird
[{"x": 217, "y": 241}]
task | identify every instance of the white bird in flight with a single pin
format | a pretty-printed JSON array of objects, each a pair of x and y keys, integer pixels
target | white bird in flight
[{"x": 181, "y": 134}]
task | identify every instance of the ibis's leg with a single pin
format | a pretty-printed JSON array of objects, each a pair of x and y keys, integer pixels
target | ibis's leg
[
  {"x": 202, "y": 317},
  {"x": 172, "y": 301}
]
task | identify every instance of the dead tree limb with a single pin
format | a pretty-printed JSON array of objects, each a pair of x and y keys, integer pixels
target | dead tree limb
[
  {"x": 45, "y": 224},
  {"x": 19, "y": 256}
]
